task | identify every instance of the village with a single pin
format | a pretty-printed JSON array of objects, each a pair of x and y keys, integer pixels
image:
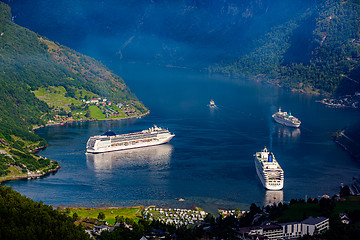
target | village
[
  {"x": 94, "y": 109},
  {"x": 347, "y": 101},
  {"x": 198, "y": 218}
]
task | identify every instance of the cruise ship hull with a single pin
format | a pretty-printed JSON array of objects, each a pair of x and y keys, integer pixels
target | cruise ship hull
[
  {"x": 268, "y": 185},
  {"x": 131, "y": 145},
  {"x": 284, "y": 122},
  {"x": 109, "y": 141},
  {"x": 268, "y": 170}
]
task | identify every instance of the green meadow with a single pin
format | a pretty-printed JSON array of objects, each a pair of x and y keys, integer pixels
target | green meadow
[
  {"x": 95, "y": 112},
  {"x": 55, "y": 97},
  {"x": 110, "y": 213}
]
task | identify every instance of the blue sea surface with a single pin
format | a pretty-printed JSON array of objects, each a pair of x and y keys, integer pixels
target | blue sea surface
[
  {"x": 155, "y": 47},
  {"x": 210, "y": 160}
]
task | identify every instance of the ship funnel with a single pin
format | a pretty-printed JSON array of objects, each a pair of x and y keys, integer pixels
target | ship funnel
[{"x": 270, "y": 158}]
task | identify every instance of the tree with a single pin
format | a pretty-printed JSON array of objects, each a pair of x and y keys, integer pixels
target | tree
[
  {"x": 345, "y": 191},
  {"x": 101, "y": 216},
  {"x": 254, "y": 209},
  {"x": 237, "y": 212},
  {"x": 75, "y": 217},
  {"x": 326, "y": 205},
  {"x": 119, "y": 219}
]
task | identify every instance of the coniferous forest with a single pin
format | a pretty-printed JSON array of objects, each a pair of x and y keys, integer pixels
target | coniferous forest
[
  {"x": 23, "y": 218},
  {"x": 316, "y": 51}
]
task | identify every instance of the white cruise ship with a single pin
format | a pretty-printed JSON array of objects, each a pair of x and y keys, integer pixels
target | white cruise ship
[
  {"x": 286, "y": 119},
  {"x": 109, "y": 141},
  {"x": 269, "y": 170}
]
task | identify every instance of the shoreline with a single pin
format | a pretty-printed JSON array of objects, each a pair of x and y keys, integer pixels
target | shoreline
[
  {"x": 33, "y": 151},
  {"x": 89, "y": 120},
  {"x": 261, "y": 78},
  {"x": 32, "y": 176}
]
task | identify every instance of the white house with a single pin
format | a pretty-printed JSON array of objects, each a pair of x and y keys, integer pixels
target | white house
[
  {"x": 99, "y": 229},
  {"x": 290, "y": 230},
  {"x": 316, "y": 225},
  {"x": 94, "y": 100},
  {"x": 344, "y": 218}
]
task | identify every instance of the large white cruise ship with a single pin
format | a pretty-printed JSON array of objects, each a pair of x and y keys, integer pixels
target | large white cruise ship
[
  {"x": 109, "y": 141},
  {"x": 269, "y": 170},
  {"x": 286, "y": 119}
]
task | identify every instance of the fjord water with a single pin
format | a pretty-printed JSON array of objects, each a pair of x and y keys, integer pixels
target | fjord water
[{"x": 209, "y": 162}]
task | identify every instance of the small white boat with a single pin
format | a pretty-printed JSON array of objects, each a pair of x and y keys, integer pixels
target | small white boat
[{"x": 212, "y": 104}]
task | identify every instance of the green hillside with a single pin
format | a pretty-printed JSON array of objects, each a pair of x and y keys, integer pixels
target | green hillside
[
  {"x": 23, "y": 218},
  {"x": 42, "y": 81},
  {"x": 316, "y": 51}
]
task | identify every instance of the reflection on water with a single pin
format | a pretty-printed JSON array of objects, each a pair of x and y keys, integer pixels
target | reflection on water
[
  {"x": 150, "y": 156},
  {"x": 287, "y": 133},
  {"x": 272, "y": 197}
]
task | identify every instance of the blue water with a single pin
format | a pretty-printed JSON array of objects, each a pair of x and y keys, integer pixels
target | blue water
[{"x": 210, "y": 160}]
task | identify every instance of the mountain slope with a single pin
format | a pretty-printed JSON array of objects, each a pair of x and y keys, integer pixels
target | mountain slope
[
  {"x": 29, "y": 62},
  {"x": 317, "y": 50},
  {"x": 23, "y": 218}
]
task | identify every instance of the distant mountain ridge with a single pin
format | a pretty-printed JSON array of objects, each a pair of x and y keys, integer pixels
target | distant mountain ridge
[{"x": 186, "y": 33}]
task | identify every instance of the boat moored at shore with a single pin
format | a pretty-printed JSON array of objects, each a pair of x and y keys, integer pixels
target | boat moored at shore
[
  {"x": 269, "y": 171},
  {"x": 110, "y": 141}
]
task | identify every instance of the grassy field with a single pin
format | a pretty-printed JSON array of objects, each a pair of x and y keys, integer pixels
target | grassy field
[
  {"x": 55, "y": 96},
  {"x": 121, "y": 112},
  {"x": 95, "y": 112},
  {"x": 110, "y": 213}
]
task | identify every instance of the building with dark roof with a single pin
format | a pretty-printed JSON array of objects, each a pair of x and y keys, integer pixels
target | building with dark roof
[
  {"x": 269, "y": 231},
  {"x": 291, "y": 230},
  {"x": 314, "y": 226}
]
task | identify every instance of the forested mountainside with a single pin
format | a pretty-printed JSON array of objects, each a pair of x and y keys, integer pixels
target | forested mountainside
[
  {"x": 29, "y": 62},
  {"x": 318, "y": 50},
  {"x": 23, "y": 218}
]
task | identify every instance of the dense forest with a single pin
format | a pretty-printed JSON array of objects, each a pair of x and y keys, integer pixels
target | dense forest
[
  {"x": 23, "y": 218},
  {"x": 29, "y": 62},
  {"x": 318, "y": 51}
]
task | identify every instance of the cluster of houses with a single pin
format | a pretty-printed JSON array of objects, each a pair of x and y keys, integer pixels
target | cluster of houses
[
  {"x": 176, "y": 216},
  {"x": 128, "y": 109},
  {"x": 291, "y": 230},
  {"x": 348, "y": 101},
  {"x": 100, "y": 226},
  {"x": 98, "y": 101},
  {"x": 227, "y": 213}
]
